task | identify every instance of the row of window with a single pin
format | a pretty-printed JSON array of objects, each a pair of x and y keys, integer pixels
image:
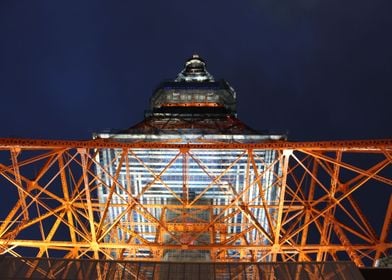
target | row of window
[{"x": 175, "y": 96}]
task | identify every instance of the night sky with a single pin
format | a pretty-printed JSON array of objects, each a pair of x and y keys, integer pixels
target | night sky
[{"x": 320, "y": 69}]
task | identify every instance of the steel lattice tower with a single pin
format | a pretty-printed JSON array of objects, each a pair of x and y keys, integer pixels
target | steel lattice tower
[{"x": 192, "y": 182}]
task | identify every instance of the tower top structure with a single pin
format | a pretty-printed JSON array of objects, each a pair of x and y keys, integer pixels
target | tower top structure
[
  {"x": 197, "y": 90},
  {"x": 194, "y": 106}
]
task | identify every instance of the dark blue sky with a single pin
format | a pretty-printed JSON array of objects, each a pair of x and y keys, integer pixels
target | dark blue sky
[{"x": 320, "y": 69}]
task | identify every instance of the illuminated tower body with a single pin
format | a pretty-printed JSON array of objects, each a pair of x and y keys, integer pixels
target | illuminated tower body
[
  {"x": 187, "y": 190},
  {"x": 194, "y": 186}
]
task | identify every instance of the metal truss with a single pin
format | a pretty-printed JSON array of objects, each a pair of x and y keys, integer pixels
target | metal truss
[{"x": 333, "y": 202}]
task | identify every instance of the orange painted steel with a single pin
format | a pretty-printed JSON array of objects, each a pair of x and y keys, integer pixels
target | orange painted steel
[
  {"x": 364, "y": 145},
  {"x": 334, "y": 203}
]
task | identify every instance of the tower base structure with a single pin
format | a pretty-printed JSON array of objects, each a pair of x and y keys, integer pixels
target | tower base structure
[{"x": 321, "y": 212}]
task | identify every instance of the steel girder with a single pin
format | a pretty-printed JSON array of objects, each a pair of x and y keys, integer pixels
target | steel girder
[{"x": 334, "y": 203}]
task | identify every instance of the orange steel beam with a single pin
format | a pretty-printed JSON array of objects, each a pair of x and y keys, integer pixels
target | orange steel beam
[
  {"x": 285, "y": 161},
  {"x": 385, "y": 231},
  {"x": 351, "y": 145},
  {"x": 319, "y": 213},
  {"x": 64, "y": 245}
]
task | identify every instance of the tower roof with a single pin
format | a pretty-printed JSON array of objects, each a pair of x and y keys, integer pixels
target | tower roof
[{"x": 194, "y": 71}]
